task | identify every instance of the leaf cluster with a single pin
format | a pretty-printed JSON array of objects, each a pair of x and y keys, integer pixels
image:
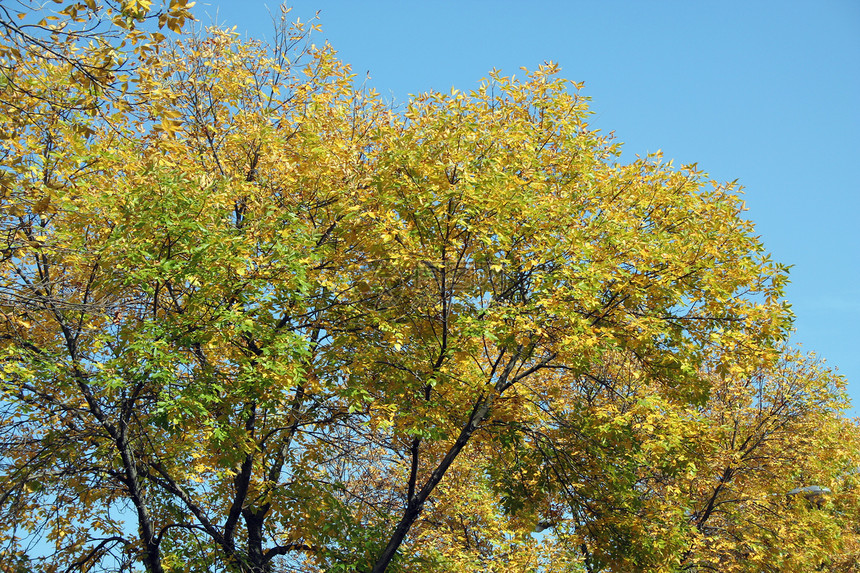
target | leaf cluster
[{"x": 254, "y": 319}]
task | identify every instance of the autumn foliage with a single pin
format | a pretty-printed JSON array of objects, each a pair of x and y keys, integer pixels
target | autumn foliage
[{"x": 253, "y": 319}]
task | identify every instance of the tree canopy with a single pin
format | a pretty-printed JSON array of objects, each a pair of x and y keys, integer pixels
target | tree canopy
[{"x": 253, "y": 319}]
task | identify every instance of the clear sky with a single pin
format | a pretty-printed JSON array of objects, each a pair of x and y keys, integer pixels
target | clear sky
[{"x": 766, "y": 92}]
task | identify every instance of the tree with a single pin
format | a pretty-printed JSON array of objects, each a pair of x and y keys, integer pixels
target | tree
[
  {"x": 767, "y": 434},
  {"x": 68, "y": 71},
  {"x": 88, "y": 42},
  {"x": 686, "y": 487},
  {"x": 258, "y": 321}
]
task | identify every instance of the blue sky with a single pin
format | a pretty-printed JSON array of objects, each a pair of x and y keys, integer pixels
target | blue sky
[{"x": 760, "y": 91}]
